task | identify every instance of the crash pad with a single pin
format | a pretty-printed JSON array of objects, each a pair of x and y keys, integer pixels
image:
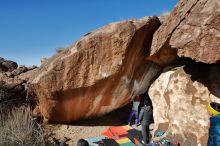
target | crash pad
[
  {"x": 116, "y": 132},
  {"x": 125, "y": 142},
  {"x": 96, "y": 139},
  {"x": 110, "y": 142},
  {"x": 135, "y": 136},
  {"x": 108, "y": 134}
]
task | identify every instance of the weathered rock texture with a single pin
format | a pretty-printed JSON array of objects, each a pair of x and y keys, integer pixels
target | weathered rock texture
[
  {"x": 180, "y": 98},
  {"x": 7, "y": 65},
  {"x": 191, "y": 30},
  {"x": 11, "y": 88},
  {"x": 98, "y": 73},
  {"x": 13, "y": 80}
]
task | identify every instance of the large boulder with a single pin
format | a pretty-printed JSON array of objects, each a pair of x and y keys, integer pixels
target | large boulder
[
  {"x": 180, "y": 97},
  {"x": 7, "y": 65},
  {"x": 191, "y": 30},
  {"x": 97, "y": 74}
]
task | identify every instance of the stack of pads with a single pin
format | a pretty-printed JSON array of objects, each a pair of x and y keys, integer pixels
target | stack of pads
[
  {"x": 118, "y": 136},
  {"x": 125, "y": 136}
]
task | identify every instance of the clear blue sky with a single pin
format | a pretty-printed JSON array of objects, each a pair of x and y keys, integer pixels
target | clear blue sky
[{"x": 33, "y": 29}]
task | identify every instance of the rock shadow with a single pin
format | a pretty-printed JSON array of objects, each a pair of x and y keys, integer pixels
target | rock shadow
[
  {"x": 117, "y": 117},
  {"x": 207, "y": 74}
]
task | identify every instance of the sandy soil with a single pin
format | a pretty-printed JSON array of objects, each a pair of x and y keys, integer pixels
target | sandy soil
[
  {"x": 74, "y": 133},
  {"x": 87, "y": 128}
]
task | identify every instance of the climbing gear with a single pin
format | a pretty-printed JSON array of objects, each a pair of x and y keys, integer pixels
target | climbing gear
[
  {"x": 214, "y": 108},
  {"x": 214, "y": 131},
  {"x": 159, "y": 134},
  {"x": 175, "y": 143},
  {"x": 165, "y": 141}
]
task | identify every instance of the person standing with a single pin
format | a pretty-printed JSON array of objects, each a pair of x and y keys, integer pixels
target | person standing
[
  {"x": 134, "y": 111},
  {"x": 146, "y": 118}
]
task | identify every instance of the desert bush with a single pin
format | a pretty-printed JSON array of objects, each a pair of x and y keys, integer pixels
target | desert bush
[
  {"x": 59, "y": 50},
  {"x": 17, "y": 127}
]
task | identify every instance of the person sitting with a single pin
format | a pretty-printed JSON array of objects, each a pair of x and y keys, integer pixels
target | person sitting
[
  {"x": 134, "y": 111},
  {"x": 82, "y": 142}
]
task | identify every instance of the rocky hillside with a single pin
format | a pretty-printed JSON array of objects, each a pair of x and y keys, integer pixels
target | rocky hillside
[
  {"x": 174, "y": 58},
  {"x": 13, "y": 81}
]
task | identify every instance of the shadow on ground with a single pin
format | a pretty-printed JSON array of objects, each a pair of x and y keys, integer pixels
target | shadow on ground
[{"x": 115, "y": 118}]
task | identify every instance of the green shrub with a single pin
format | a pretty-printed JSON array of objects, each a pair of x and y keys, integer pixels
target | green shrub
[{"x": 59, "y": 50}]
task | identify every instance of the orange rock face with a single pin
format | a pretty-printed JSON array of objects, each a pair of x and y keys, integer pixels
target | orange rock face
[
  {"x": 97, "y": 74},
  {"x": 191, "y": 30}
]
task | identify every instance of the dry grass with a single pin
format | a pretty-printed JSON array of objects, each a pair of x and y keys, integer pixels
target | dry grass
[{"x": 17, "y": 127}]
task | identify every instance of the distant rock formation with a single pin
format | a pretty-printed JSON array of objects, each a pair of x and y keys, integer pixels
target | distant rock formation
[
  {"x": 7, "y": 65},
  {"x": 97, "y": 74},
  {"x": 11, "y": 88},
  {"x": 13, "y": 80}
]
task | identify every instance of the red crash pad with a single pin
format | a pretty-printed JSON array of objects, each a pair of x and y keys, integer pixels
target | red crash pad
[
  {"x": 116, "y": 131},
  {"x": 108, "y": 134}
]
